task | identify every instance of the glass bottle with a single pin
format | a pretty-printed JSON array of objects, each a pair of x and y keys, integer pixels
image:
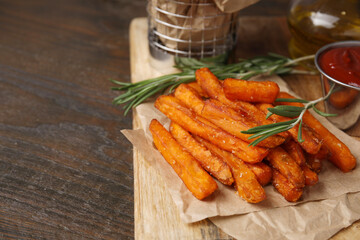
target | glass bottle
[{"x": 315, "y": 23}]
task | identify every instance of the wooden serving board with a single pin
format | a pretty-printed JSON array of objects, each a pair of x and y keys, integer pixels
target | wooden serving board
[{"x": 156, "y": 216}]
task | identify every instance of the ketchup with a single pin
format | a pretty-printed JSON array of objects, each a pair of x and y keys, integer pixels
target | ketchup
[{"x": 342, "y": 64}]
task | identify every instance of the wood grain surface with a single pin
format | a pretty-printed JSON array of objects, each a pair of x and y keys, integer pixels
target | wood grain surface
[
  {"x": 65, "y": 170},
  {"x": 156, "y": 216}
]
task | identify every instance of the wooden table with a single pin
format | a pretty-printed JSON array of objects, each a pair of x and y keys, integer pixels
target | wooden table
[{"x": 65, "y": 170}]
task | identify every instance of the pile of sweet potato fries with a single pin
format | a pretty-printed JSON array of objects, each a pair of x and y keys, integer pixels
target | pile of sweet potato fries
[{"x": 205, "y": 140}]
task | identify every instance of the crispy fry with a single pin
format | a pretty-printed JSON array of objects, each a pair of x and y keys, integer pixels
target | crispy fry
[
  {"x": 173, "y": 109},
  {"x": 196, "y": 179},
  {"x": 262, "y": 172},
  {"x": 340, "y": 154},
  {"x": 250, "y": 91},
  {"x": 210, "y": 84},
  {"x": 213, "y": 88},
  {"x": 295, "y": 151},
  {"x": 311, "y": 177},
  {"x": 285, "y": 188},
  {"x": 246, "y": 181},
  {"x": 211, "y": 163},
  {"x": 282, "y": 161},
  {"x": 198, "y": 89},
  {"x": 190, "y": 98},
  {"x": 311, "y": 143}
]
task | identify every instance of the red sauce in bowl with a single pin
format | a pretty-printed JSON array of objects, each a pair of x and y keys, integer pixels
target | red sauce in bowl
[{"x": 342, "y": 64}]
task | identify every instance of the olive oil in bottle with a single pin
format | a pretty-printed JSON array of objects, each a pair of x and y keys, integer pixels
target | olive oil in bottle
[{"x": 315, "y": 23}]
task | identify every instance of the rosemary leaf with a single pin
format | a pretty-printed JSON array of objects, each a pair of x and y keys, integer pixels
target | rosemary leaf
[
  {"x": 291, "y": 100},
  {"x": 267, "y": 126},
  {"x": 323, "y": 113},
  {"x": 284, "y": 113},
  {"x": 269, "y": 134},
  {"x": 288, "y": 108},
  {"x": 269, "y": 114},
  {"x": 273, "y": 130},
  {"x": 299, "y": 137}
]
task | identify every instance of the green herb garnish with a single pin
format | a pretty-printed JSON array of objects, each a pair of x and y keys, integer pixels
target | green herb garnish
[{"x": 136, "y": 93}]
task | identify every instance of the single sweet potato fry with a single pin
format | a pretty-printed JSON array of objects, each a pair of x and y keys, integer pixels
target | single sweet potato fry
[
  {"x": 190, "y": 98},
  {"x": 198, "y": 89},
  {"x": 177, "y": 112},
  {"x": 250, "y": 91},
  {"x": 282, "y": 161},
  {"x": 295, "y": 151},
  {"x": 211, "y": 163},
  {"x": 213, "y": 88},
  {"x": 196, "y": 179},
  {"x": 311, "y": 143},
  {"x": 210, "y": 84},
  {"x": 262, "y": 172},
  {"x": 285, "y": 188},
  {"x": 340, "y": 154},
  {"x": 311, "y": 177},
  {"x": 246, "y": 182}
]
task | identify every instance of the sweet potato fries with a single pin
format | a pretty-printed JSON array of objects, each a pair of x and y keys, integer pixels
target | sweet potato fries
[{"x": 205, "y": 140}]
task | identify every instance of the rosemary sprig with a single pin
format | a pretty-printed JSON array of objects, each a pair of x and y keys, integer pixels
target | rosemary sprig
[
  {"x": 265, "y": 131},
  {"x": 136, "y": 93}
]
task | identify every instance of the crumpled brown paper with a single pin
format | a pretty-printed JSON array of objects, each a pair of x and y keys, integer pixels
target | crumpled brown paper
[
  {"x": 225, "y": 202},
  {"x": 315, "y": 220}
]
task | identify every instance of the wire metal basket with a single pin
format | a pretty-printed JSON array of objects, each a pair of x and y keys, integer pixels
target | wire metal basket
[{"x": 190, "y": 28}]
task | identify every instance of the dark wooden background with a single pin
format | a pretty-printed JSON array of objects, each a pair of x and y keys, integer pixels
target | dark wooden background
[{"x": 65, "y": 170}]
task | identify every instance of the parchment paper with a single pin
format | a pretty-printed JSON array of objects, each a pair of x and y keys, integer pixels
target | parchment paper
[
  {"x": 273, "y": 213},
  {"x": 310, "y": 221}
]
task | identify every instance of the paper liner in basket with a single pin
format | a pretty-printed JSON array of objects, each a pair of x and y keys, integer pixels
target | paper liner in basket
[
  {"x": 231, "y": 6},
  {"x": 189, "y": 25}
]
